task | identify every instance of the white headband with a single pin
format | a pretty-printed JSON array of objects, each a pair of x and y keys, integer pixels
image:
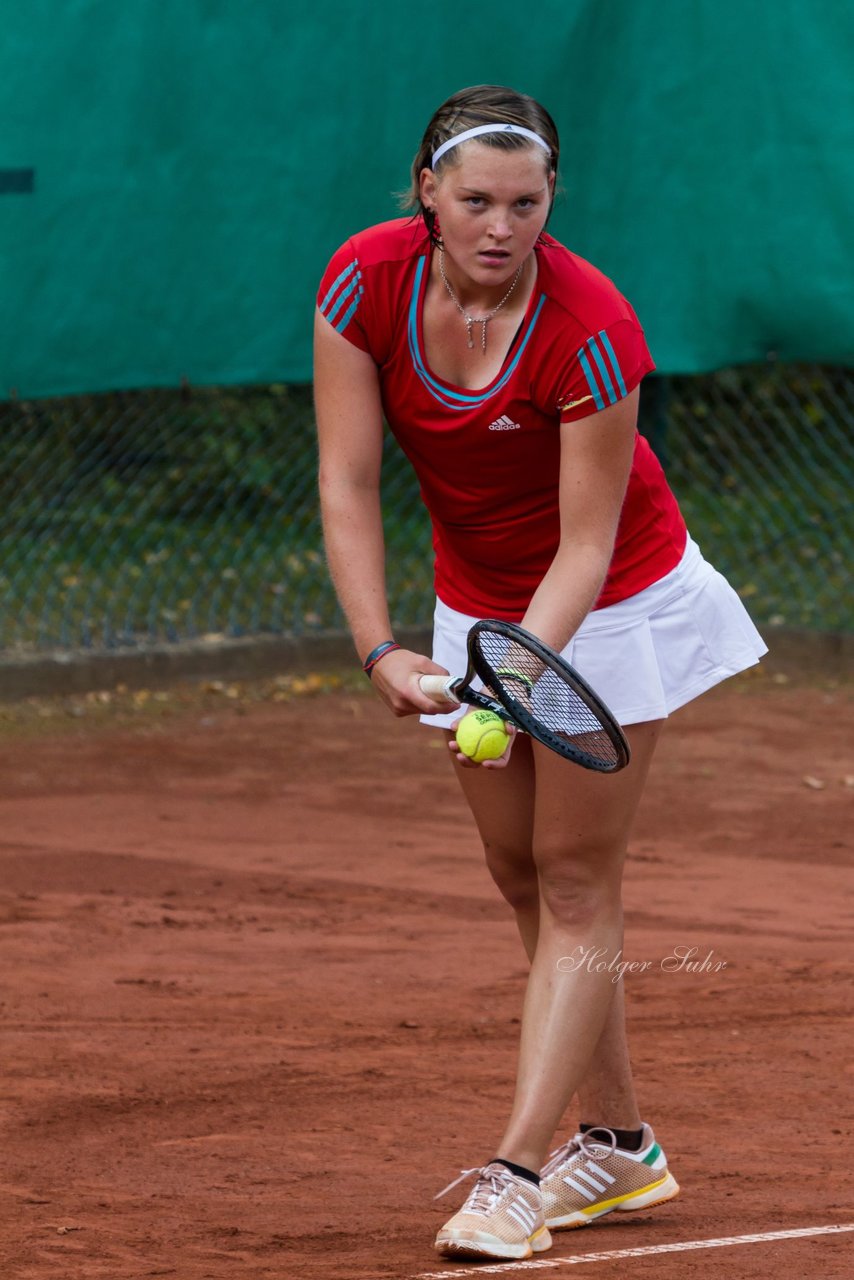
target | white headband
[{"x": 488, "y": 128}]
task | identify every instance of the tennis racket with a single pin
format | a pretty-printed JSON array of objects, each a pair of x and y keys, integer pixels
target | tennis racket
[{"x": 530, "y": 685}]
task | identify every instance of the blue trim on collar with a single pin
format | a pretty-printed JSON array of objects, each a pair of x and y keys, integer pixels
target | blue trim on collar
[{"x": 446, "y": 396}]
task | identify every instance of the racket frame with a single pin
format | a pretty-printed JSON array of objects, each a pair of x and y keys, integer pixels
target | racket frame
[{"x": 509, "y": 708}]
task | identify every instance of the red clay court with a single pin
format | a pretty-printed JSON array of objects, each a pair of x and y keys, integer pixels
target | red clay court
[{"x": 261, "y": 999}]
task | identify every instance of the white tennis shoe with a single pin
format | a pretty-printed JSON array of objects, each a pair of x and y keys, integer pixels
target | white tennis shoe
[
  {"x": 590, "y": 1176},
  {"x": 501, "y": 1218}
]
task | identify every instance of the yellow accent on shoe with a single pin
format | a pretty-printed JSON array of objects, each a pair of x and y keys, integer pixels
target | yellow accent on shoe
[{"x": 631, "y": 1198}]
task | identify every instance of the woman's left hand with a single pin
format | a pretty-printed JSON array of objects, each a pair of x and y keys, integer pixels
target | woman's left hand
[{"x": 465, "y": 762}]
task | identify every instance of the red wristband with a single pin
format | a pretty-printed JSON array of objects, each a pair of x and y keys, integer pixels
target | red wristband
[{"x": 388, "y": 646}]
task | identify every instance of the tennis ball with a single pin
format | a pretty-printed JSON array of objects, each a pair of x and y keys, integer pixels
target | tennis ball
[{"x": 481, "y": 735}]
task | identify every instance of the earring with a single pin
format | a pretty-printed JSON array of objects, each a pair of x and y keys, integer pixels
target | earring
[{"x": 436, "y": 229}]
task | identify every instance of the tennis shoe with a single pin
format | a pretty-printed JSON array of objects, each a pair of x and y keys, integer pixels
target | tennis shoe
[
  {"x": 501, "y": 1218},
  {"x": 590, "y": 1176}
]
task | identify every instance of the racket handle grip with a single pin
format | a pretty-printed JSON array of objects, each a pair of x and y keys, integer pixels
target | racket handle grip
[{"x": 439, "y": 688}]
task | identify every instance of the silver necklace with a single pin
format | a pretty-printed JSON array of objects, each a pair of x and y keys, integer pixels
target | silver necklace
[{"x": 483, "y": 321}]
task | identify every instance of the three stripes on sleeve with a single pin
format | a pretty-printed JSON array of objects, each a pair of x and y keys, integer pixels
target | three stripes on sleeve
[
  {"x": 343, "y": 297},
  {"x": 601, "y": 368}
]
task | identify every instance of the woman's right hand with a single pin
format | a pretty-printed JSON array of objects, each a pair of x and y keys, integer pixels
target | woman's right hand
[{"x": 395, "y": 678}]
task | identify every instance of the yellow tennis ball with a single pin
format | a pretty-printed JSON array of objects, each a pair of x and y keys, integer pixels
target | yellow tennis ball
[{"x": 482, "y": 736}]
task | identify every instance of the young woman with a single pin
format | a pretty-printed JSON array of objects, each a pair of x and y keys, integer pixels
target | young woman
[{"x": 508, "y": 369}]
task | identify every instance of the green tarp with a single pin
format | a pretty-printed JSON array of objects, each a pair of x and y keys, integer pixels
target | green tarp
[{"x": 174, "y": 176}]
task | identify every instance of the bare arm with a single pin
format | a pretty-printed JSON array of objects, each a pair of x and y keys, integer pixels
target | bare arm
[
  {"x": 596, "y": 460},
  {"x": 349, "y": 424}
]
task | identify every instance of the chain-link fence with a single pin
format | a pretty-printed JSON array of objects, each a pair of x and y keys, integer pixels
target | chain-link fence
[{"x": 157, "y": 516}]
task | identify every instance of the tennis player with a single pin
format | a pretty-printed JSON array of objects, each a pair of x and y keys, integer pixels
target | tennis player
[{"x": 508, "y": 369}]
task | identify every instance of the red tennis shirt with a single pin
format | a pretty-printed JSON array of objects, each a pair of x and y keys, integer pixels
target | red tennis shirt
[{"x": 488, "y": 461}]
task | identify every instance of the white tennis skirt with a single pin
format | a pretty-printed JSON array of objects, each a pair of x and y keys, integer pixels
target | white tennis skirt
[{"x": 644, "y": 656}]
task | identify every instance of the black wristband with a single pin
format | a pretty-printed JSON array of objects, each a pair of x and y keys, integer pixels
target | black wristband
[
  {"x": 387, "y": 646},
  {"x": 510, "y": 673}
]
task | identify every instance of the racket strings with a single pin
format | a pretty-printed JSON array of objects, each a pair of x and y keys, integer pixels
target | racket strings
[{"x": 523, "y": 680}]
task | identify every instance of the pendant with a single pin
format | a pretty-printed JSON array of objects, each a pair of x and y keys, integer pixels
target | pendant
[{"x": 469, "y": 323}]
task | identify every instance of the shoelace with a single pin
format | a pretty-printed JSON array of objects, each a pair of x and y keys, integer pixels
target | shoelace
[
  {"x": 582, "y": 1144},
  {"x": 491, "y": 1182}
]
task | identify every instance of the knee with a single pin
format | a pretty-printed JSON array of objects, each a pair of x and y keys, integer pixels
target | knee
[
  {"x": 579, "y": 887},
  {"x": 515, "y": 875}
]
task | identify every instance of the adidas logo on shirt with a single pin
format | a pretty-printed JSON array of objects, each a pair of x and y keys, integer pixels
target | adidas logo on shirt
[{"x": 505, "y": 424}]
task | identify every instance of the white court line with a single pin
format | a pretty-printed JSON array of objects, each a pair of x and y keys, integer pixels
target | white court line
[{"x": 541, "y": 1264}]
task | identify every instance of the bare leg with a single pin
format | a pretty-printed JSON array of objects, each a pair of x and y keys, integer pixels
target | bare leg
[
  {"x": 502, "y": 804},
  {"x": 606, "y": 1095},
  {"x": 574, "y": 839}
]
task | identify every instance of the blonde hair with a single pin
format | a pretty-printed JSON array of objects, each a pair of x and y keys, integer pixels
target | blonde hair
[{"x": 480, "y": 104}]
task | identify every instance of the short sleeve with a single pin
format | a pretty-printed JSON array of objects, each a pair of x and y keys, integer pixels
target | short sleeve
[
  {"x": 340, "y": 297},
  {"x": 606, "y": 368}
]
